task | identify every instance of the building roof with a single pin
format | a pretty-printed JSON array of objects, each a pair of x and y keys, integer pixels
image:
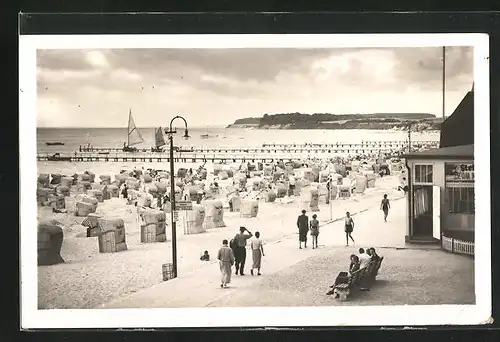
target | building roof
[
  {"x": 454, "y": 152},
  {"x": 458, "y": 129}
]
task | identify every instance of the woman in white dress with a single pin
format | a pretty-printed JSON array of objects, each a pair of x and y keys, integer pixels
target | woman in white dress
[{"x": 257, "y": 253}]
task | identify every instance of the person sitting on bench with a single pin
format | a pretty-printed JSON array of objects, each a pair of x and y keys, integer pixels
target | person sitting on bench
[
  {"x": 374, "y": 256},
  {"x": 364, "y": 258},
  {"x": 369, "y": 277},
  {"x": 355, "y": 264},
  {"x": 345, "y": 277}
]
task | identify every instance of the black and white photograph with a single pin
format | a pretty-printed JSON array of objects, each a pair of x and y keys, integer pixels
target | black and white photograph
[{"x": 194, "y": 181}]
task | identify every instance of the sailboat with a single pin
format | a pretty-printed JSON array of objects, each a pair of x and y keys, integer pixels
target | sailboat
[
  {"x": 134, "y": 137},
  {"x": 159, "y": 141},
  {"x": 206, "y": 135}
]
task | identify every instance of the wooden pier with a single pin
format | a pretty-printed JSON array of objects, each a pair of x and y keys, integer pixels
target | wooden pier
[
  {"x": 161, "y": 157},
  {"x": 393, "y": 144},
  {"x": 267, "y": 153},
  {"x": 365, "y": 147}
]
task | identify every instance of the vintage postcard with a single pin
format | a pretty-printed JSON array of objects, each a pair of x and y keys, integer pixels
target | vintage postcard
[{"x": 214, "y": 180}]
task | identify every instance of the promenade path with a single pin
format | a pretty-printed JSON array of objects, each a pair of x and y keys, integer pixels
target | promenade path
[
  {"x": 407, "y": 277},
  {"x": 87, "y": 278},
  {"x": 199, "y": 287}
]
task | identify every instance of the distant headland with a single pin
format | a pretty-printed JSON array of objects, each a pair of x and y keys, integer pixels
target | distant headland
[{"x": 393, "y": 121}]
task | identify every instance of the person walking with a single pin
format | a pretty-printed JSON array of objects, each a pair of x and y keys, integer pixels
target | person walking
[
  {"x": 349, "y": 227},
  {"x": 314, "y": 228},
  {"x": 125, "y": 191},
  {"x": 291, "y": 185},
  {"x": 159, "y": 203},
  {"x": 257, "y": 253},
  {"x": 166, "y": 206},
  {"x": 303, "y": 225},
  {"x": 226, "y": 260},
  {"x": 240, "y": 252},
  {"x": 385, "y": 206},
  {"x": 329, "y": 189}
]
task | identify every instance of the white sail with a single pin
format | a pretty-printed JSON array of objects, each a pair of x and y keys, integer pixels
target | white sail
[
  {"x": 134, "y": 136},
  {"x": 159, "y": 139}
]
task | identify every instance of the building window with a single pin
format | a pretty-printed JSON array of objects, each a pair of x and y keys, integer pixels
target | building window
[
  {"x": 460, "y": 200},
  {"x": 423, "y": 174},
  {"x": 460, "y": 187}
]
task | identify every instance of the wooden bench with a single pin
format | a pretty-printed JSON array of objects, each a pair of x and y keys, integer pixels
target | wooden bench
[{"x": 361, "y": 279}]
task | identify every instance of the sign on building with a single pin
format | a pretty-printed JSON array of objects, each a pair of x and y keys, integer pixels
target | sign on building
[
  {"x": 459, "y": 172},
  {"x": 183, "y": 205},
  {"x": 344, "y": 193}
]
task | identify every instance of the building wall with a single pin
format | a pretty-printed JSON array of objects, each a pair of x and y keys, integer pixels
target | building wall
[{"x": 449, "y": 221}]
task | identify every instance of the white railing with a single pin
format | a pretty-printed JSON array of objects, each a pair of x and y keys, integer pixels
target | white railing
[
  {"x": 463, "y": 247},
  {"x": 457, "y": 246},
  {"x": 447, "y": 243}
]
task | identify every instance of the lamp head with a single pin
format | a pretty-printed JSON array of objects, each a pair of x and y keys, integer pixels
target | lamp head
[{"x": 186, "y": 134}]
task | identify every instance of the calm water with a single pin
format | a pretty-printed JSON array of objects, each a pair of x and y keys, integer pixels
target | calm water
[
  {"x": 231, "y": 137},
  {"x": 219, "y": 137}
]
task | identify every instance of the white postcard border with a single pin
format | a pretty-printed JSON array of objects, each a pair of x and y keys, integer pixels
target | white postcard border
[{"x": 31, "y": 317}]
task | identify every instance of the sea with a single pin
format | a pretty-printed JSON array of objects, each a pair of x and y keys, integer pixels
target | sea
[{"x": 73, "y": 138}]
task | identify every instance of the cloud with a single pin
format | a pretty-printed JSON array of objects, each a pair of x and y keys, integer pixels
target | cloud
[
  {"x": 424, "y": 66},
  {"x": 220, "y": 85},
  {"x": 97, "y": 59},
  {"x": 63, "y": 60},
  {"x": 241, "y": 64}
]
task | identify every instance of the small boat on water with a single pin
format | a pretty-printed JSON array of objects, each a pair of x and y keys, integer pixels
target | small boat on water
[
  {"x": 159, "y": 141},
  {"x": 207, "y": 136},
  {"x": 57, "y": 157},
  {"x": 134, "y": 137},
  {"x": 54, "y": 143}
]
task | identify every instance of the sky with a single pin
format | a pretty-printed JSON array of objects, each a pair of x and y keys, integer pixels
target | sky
[{"x": 214, "y": 87}]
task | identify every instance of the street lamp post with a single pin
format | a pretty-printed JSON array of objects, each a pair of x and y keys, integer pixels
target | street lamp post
[
  {"x": 170, "y": 134},
  {"x": 409, "y": 137},
  {"x": 329, "y": 194}
]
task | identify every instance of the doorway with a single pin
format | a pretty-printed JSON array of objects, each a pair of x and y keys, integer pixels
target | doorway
[{"x": 423, "y": 211}]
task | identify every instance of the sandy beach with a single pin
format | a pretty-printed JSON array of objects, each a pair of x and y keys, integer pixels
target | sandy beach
[{"x": 88, "y": 278}]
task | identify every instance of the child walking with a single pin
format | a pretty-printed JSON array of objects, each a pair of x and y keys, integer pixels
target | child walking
[
  {"x": 349, "y": 227},
  {"x": 385, "y": 206}
]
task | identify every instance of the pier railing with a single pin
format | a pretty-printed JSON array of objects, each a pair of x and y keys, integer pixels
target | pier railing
[
  {"x": 178, "y": 157},
  {"x": 263, "y": 153},
  {"x": 365, "y": 144},
  {"x": 287, "y": 148}
]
